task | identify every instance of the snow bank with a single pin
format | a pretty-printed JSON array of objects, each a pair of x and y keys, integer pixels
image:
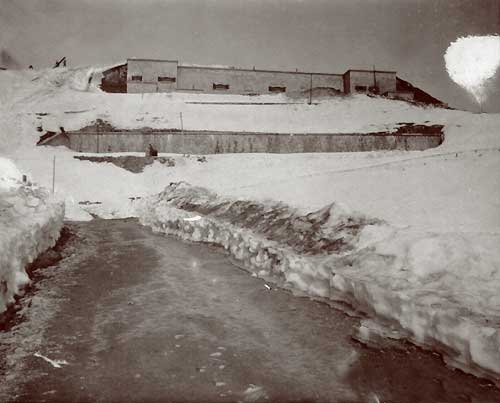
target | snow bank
[
  {"x": 439, "y": 289},
  {"x": 30, "y": 222},
  {"x": 272, "y": 238},
  {"x": 10, "y": 176}
]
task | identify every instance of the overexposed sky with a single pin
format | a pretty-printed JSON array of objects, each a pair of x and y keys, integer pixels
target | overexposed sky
[{"x": 409, "y": 36}]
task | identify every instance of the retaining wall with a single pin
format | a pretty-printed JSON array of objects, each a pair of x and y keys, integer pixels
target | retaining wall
[{"x": 206, "y": 142}]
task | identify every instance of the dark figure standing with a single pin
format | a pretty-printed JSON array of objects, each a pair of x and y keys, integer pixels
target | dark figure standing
[{"x": 152, "y": 152}]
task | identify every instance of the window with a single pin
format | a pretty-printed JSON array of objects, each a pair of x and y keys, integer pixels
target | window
[
  {"x": 166, "y": 79},
  {"x": 361, "y": 88},
  {"x": 136, "y": 78},
  {"x": 273, "y": 88},
  {"x": 221, "y": 86}
]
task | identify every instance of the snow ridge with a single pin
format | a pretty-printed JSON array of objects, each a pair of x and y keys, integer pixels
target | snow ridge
[
  {"x": 31, "y": 222},
  {"x": 420, "y": 284}
]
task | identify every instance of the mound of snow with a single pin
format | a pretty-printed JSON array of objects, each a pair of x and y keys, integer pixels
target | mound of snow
[
  {"x": 10, "y": 176},
  {"x": 31, "y": 221},
  {"x": 440, "y": 289}
]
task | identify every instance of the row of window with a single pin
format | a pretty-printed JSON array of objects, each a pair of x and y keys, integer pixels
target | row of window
[
  {"x": 271, "y": 88},
  {"x": 160, "y": 78},
  {"x": 365, "y": 88},
  {"x": 222, "y": 87}
]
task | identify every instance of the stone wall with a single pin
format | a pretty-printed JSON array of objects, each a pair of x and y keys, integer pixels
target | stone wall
[{"x": 200, "y": 142}]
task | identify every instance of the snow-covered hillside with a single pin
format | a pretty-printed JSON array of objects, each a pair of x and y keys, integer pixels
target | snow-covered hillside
[
  {"x": 403, "y": 187},
  {"x": 431, "y": 264}
]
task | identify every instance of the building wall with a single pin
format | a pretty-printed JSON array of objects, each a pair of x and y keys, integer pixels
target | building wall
[
  {"x": 150, "y": 70},
  {"x": 251, "y": 81},
  {"x": 347, "y": 83},
  {"x": 334, "y": 81},
  {"x": 385, "y": 81},
  {"x": 240, "y": 81},
  {"x": 115, "y": 79},
  {"x": 196, "y": 142}
]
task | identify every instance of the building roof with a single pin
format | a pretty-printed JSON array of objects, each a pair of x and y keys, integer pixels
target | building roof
[
  {"x": 257, "y": 70},
  {"x": 115, "y": 67},
  {"x": 152, "y": 60},
  {"x": 370, "y": 71},
  {"x": 218, "y": 67}
]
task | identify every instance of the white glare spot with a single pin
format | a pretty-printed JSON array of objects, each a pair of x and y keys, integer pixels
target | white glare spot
[
  {"x": 54, "y": 363},
  {"x": 195, "y": 218},
  {"x": 472, "y": 61}
]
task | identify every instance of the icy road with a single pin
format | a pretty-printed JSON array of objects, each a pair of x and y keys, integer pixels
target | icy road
[{"x": 130, "y": 315}]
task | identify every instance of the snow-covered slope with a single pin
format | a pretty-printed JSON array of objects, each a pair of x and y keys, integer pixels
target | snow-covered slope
[
  {"x": 429, "y": 262},
  {"x": 30, "y": 223},
  {"x": 423, "y": 186}
]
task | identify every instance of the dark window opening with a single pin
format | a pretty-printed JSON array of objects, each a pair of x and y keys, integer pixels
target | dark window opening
[
  {"x": 136, "y": 78},
  {"x": 221, "y": 86},
  {"x": 167, "y": 79},
  {"x": 361, "y": 88},
  {"x": 276, "y": 89}
]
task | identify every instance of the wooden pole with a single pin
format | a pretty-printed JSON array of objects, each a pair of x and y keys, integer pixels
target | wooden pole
[
  {"x": 310, "y": 89},
  {"x": 374, "y": 80},
  {"x": 53, "y": 174},
  {"x": 182, "y": 133},
  {"x": 97, "y": 131}
]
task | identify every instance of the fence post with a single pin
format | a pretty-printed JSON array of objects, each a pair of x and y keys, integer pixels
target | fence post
[
  {"x": 311, "y": 90},
  {"x": 53, "y": 174},
  {"x": 182, "y": 133}
]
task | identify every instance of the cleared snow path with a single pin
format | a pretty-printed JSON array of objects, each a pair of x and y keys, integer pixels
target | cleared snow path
[{"x": 142, "y": 317}]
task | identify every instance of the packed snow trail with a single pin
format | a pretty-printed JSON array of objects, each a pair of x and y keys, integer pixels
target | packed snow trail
[{"x": 139, "y": 317}]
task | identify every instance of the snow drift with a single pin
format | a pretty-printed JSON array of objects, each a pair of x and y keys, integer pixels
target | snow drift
[
  {"x": 30, "y": 222},
  {"x": 439, "y": 290},
  {"x": 428, "y": 263}
]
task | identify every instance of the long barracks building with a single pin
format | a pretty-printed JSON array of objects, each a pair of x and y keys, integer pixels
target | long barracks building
[{"x": 153, "y": 75}]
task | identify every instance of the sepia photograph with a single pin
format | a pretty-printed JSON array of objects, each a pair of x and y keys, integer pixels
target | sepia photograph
[{"x": 250, "y": 201}]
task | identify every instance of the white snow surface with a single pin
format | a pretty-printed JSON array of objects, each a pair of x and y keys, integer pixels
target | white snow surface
[
  {"x": 30, "y": 223},
  {"x": 426, "y": 258},
  {"x": 10, "y": 176}
]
